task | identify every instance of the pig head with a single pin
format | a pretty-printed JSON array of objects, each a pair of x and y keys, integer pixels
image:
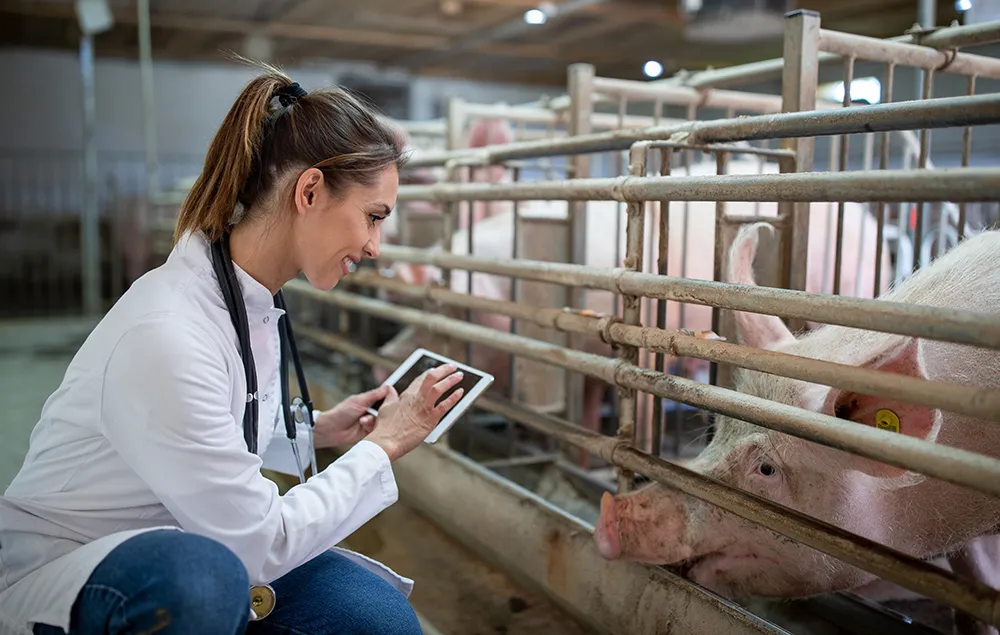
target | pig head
[{"x": 738, "y": 558}]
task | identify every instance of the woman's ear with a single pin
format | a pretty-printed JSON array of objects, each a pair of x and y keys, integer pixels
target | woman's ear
[{"x": 308, "y": 190}]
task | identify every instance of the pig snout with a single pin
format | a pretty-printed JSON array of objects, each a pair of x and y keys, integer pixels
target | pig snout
[{"x": 647, "y": 525}]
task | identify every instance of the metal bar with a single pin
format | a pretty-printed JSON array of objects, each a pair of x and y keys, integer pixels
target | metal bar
[
  {"x": 943, "y": 112},
  {"x": 722, "y": 147},
  {"x": 959, "y": 36},
  {"x": 950, "y": 325},
  {"x": 799, "y": 82},
  {"x": 682, "y": 95},
  {"x": 924, "y": 578},
  {"x": 946, "y": 184},
  {"x": 983, "y": 404},
  {"x": 883, "y": 165},
  {"x": 838, "y": 255},
  {"x": 925, "y": 144},
  {"x": 662, "y": 263},
  {"x": 634, "y": 242},
  {"x": 966, "y": 150},
  {"x": 532, "y": 114},
  {"x": 580, "y": 83},
  {"x": 876, "y": 50},
  {"x": 90, "y": 248}
]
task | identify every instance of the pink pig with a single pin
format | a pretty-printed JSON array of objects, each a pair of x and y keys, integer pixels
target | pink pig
[{"x": 917, "y": 515}]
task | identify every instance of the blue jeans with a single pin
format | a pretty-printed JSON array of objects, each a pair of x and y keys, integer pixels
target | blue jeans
[{"x": 169, "y": 582}]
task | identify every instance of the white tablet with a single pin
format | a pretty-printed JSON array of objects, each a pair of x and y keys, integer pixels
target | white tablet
[{"x": 474, "y": 382}]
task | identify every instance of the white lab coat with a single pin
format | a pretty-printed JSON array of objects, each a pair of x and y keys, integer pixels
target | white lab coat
[{"x": 145, "y": 432}]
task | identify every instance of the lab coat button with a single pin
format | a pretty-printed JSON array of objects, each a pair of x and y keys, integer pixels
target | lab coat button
[{"x": 267, "y": 319}]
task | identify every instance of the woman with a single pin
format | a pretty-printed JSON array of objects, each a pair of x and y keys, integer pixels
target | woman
[{"x": 145, "y": 435}]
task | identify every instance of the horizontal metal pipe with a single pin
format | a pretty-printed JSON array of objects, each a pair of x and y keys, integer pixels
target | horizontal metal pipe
[
  {"x": 953, "y": 465},
  {"x": 959, "y": 36},
  {"x": 943, "y": 184},
  {"x": 935, "y": 113},
  {"x": 946, "y": 37},
  {"x": 873, "y": 49},
  {"x": 537, "y": 114},
  {"x": 926, "y": 579},
  {"x": 684, "y": 95},
  {"x": 949, "y": 325},
  {"x": 973, "y": 402}
]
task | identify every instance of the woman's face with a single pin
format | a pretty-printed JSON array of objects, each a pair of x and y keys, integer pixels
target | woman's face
[{"x": 335, "y": 231}]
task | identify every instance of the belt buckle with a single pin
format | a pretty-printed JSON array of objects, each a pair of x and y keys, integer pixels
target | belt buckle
[{"x": 262, "y": 601}]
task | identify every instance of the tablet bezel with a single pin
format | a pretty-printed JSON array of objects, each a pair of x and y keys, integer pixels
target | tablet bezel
[{"x": 484, "y": 382}]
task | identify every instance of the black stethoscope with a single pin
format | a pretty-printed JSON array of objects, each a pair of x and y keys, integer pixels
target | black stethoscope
[{"x": 222, "y": 263}]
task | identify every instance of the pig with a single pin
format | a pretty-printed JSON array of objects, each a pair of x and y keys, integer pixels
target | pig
[
  {"x": 917, "y": 515},
  {"x": 494, "y": 239}
]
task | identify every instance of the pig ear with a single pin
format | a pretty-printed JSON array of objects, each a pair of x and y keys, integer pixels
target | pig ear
[
  {"x": 488, "y": 132},
  {"x": 755, "y": 329},
  {"x": 903, "y": 357}
]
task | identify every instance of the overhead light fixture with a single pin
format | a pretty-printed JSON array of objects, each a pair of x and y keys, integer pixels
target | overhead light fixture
[
  {"x": 535, "y": 16},
  {"x": 652, "y": 68},
  {"x": 963, "y": 5}
]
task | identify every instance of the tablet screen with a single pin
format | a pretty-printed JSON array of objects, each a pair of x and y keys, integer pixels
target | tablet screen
[{"x": 424, "y": 363}]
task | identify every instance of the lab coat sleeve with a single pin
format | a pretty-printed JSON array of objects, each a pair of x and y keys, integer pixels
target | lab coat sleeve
[{"x": 166, "y": 408}]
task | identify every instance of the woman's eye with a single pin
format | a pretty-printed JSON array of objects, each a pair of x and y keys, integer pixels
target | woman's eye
[
  {"x": 767, "y": 469},
  {"x": 374, "y": 219}
]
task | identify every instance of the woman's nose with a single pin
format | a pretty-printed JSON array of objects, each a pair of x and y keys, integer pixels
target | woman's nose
[{"x": 371, "y": 247}]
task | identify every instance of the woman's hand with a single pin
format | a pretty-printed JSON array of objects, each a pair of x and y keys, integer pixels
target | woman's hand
[
  {"x": 348, "y": 422},
  {"x": 405, "y": 420}
]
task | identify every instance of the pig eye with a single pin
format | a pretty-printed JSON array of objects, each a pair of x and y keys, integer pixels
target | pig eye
[{"x": 767, "y": 469}]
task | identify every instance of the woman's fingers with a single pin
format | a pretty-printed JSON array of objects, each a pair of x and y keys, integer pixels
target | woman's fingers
[
  {"x": 434, "y": 375},
  {"x": 442, "y": 386},
  {"x": 448, "y": 404}
]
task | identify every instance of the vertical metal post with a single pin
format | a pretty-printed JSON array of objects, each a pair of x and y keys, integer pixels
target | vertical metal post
[
  {"x": 883, "y": 164},
  {"x": 966, "y": 149},
  {"x": 627, "y": 397},
  {"x": 838, "y": 254},
  {"x": 580, "y": 84},
  {"x": 925, "y": 148},
  {"x": 926, "y": 19},
  {"x": 89, "y": 221},
  {"x": 148, "y": 111},
  {"x": 798, "y": 81},
  {"x": 662, "y": 262}
]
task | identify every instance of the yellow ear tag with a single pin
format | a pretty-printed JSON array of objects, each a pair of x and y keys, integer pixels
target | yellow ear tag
[{"x": 887, "y": 420}]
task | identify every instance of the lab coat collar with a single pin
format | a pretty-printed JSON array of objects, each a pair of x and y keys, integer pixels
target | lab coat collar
[{"x": 194, "y": 248}]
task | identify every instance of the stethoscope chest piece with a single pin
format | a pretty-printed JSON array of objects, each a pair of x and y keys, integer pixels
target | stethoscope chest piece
[{"x": 262, "y": 601}]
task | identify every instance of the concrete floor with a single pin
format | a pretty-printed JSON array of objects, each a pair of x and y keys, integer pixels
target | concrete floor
[{"x": 34, "y": 355}]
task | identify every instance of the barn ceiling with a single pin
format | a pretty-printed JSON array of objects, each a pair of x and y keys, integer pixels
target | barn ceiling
[{"x": 475, "y": 39}]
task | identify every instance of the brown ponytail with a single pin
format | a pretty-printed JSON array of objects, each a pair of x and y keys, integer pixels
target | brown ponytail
[{"x": 257, "y": 142}]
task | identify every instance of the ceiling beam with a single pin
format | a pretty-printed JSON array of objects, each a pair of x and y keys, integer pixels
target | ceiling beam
[
  {"x": 286, "y": 30},
  {"x": 621, "y": 10}
]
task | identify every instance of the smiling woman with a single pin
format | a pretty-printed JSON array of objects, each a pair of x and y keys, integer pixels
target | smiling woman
[{"x": 146, "y": 434}]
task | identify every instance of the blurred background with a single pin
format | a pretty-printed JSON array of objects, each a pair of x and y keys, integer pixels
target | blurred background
[{"x": 109, "y": 105}]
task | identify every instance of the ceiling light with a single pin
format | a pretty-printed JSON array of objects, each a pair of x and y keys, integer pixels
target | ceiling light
[
  {"x": 534, "y": 16},
  {"x": 652, "y": 68},
  {"x": 963, "y": 5}
]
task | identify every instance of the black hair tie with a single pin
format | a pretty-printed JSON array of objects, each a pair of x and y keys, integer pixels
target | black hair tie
[{"x": 288, "y": 95}]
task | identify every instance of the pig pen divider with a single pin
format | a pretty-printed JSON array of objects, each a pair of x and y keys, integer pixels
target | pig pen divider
[
  {"x": 973, "y": 598},
  {"x": 956, "y": 466},
  {"x": 955, "y": 398},
  {"x": 939, "y": 112}
]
